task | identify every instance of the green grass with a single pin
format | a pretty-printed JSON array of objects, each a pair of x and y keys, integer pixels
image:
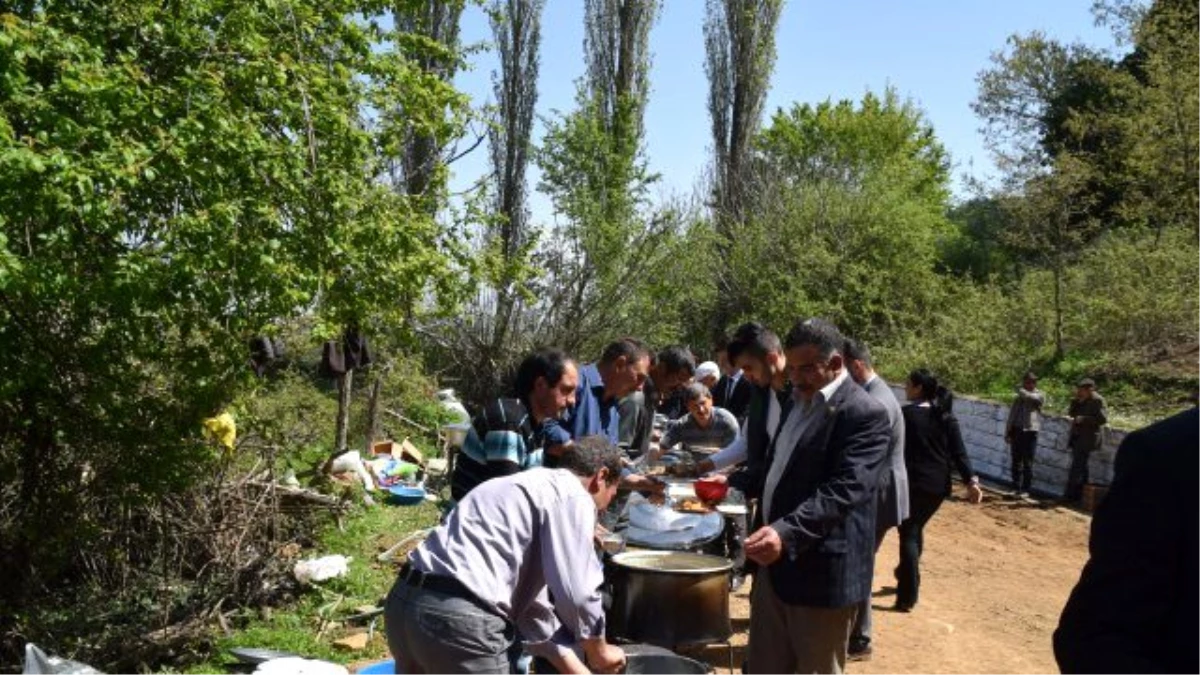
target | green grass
[{"x": 294, "y": 628}]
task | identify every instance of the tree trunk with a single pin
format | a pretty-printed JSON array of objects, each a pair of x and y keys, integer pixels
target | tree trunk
[
  {"x": 1059, "y": 350},
  {"x": 343, "y": 417},
  {"x": 373, "y": 414}
]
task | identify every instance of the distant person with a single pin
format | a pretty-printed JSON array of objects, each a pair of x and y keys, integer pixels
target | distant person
[
  {"x": 932, "y": 446},
  {"x": 704, "y": 426},
  {"x": 515, "y": 556},
  {"x": 512, "y": 434},
  {"x": 1135, "y": 607},
  {"x": 815, "y": 546},
  {"x": 1088, "y": 417},
  {"x": 707, "y": 374},
  {"x": 733, "y": 391},
  {"x": 623, "y": 368},
  {"x": 1021, "y": 432},
  {"x": 758, "y": 353},
  {"x": 636, "y": 425},
  {"x": 892, "y": 490},
  {"x": 670, "y": 369}
]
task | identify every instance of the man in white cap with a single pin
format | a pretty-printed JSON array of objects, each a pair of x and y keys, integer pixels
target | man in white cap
[{"x": 708, "y": 373}]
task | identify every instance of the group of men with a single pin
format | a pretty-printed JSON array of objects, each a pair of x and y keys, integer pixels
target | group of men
[
  {"x": 1088, "y": 416},
  {"x": 805, "y": 429}
]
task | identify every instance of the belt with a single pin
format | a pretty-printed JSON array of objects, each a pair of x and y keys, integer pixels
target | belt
[{"x": 441, "y": 584}]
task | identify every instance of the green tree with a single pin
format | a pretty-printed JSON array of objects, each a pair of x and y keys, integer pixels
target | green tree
[
  {"x": 611, "y": 241},
  {"x": 516, "y": 26},
  {"x": 977, "y": 247},
  {"x": 173, "y": 179},
  {"x": 739, "y": 45},
  {"x": 1163, "y": 126},
  {"x": 851, "y": 205}
]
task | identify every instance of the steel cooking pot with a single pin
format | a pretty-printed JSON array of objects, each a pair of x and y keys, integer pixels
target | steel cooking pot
[{"x": 669, "y": 598}]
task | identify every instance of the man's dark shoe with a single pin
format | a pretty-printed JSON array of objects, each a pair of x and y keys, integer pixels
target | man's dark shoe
[
  {"x": 905, "y": 607},
  {"x": 859, "y": 649},
  {"x": 860, "y": 654}
]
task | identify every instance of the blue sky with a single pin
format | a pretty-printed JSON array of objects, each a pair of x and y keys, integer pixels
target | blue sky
[{"x": 928, "y": 50}]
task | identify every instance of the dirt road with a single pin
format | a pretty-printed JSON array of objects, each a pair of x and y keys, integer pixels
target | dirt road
[{"x": 994, "y": 578}]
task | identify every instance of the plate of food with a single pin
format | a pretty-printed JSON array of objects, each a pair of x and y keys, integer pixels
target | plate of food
[{"x": 692, "y": 505}]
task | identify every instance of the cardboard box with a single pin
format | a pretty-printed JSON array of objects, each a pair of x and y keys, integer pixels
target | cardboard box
[
  {"x": 410, "y": 453},
  {"x": 1093, "y": 494}
]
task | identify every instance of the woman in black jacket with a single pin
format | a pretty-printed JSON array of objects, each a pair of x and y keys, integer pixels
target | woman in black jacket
[{"x": 932, "y": 444}]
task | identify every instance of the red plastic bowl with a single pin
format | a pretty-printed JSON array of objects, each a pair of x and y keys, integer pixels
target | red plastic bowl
[{"x": 710, "y": 490}]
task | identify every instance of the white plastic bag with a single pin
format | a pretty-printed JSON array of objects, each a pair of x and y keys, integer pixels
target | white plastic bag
[
  {"x": 40, "y": 663},
  {"x": 316, "y": 570},
  {"x": 294, "y": 665},
  {"x": 352, "y": 461}
]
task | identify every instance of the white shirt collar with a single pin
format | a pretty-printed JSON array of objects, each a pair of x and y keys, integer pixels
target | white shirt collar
[
  {"x": 872, "y": 378},
  {"x": 828, "y": 389},
  {"x": 825, "y": 393}
]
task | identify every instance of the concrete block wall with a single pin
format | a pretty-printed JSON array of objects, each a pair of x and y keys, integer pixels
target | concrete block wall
[{"x": 983, "y": 423}]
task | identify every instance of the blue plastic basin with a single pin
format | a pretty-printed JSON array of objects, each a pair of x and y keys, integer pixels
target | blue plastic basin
[
  {"x": 380, "y": 668},
  {"x": 405, "y": 496}
]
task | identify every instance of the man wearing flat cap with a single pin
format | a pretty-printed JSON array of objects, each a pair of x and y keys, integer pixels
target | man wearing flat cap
[
  {"x": 1088, "y": 416},
  {"x": 1021, "y": 432}
]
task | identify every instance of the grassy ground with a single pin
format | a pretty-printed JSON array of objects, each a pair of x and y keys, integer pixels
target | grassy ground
[{"x": 298, "y": 628}]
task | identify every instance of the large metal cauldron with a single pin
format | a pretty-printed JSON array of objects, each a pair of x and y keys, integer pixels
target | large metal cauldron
[{"x": 669, "y": 598}]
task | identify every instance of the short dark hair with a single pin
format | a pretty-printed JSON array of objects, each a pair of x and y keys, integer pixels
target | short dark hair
[
  {"x": 753, "y": 339},
  {"x": 589, "y": 454},
  {"x": 818, "y": 333},
  {"x": 631, "y": 348},
  {"x": 547, "y": 362},
  {"x": 677, "y": 358},
  {"x": 695, "y": 392},
  {"x": 855, "y": 350}
]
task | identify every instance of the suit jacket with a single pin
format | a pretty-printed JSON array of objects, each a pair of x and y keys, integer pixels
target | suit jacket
[
  {"x": 737, "y": 401},
  {"x": 749, "y": 479},
  {"x": 1135, "y": 607},
  {"x": 893, "y": 481},
  {"x": 824, "y": 504},
  {"x": 1092, "y": 415}
]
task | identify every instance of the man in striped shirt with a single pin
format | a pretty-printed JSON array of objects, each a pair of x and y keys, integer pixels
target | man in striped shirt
[{"x": 512, "y": 434}]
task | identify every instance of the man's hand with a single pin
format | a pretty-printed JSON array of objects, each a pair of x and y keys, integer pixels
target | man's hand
[
  {"x": 764, "y": 546},
  {"x": 569, "y": 663},
  {"x": 599, "y": 534},
  {"x": 974, "y": 493},
  {"x": 706, "y": 466},
  {"x": 715, "y": 477},
  {"x": 603, "y": 657}
]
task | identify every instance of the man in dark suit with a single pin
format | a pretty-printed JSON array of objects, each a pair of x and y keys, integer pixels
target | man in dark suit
[
  {"x": 891, "y": 497},
  {"x": 1135, "y": 607},
  {"x": 733, "y": 391},
  {"x": 816, "y": 541}
]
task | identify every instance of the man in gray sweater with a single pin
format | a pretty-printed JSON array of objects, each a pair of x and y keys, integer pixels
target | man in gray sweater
[{"x": 1024, "y": 422}]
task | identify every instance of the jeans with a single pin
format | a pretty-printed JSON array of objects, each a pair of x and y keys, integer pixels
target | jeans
[
  {"x": 1023, "y": 445},
  {"x": 922, "y": 506},
  {"x": 433, "y": 632}
]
